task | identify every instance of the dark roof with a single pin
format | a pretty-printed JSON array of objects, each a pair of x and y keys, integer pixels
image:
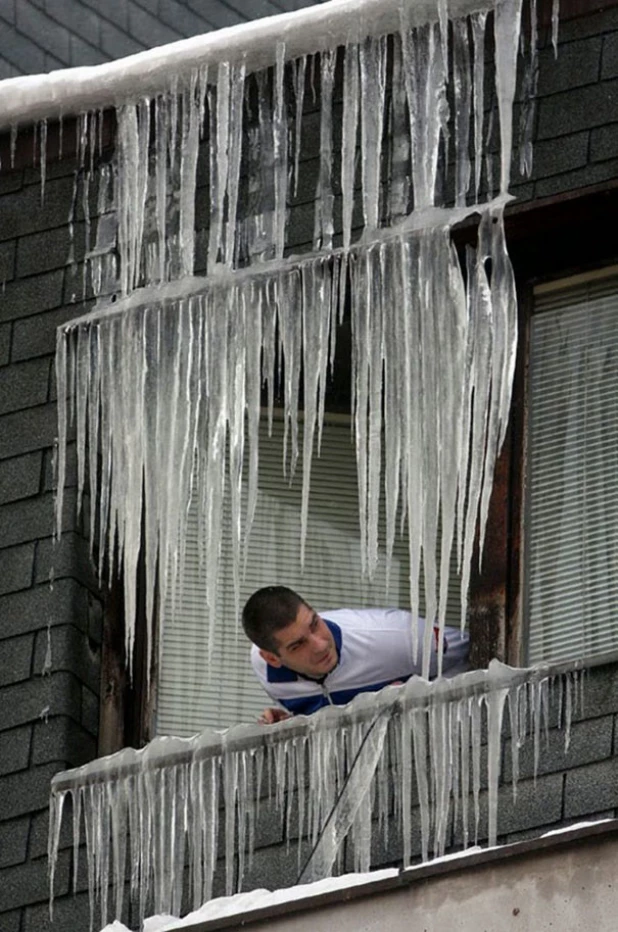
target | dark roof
[{"x": 43, "y": 35}]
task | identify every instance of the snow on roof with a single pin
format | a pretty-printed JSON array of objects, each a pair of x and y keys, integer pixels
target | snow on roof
[{"x": 70, "y": 91}]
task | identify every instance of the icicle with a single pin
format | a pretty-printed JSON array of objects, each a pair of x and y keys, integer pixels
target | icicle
[
  {"x": 55, "y": 822},
  {"x": 372, "y": 63},
  {"x": 161, "y": 119},
  {"x": 530, "y": 81},
  {"x": 166, "y": 797},
  {"x": 237, "y": 368},
  {"x": 568, "y": 713},
  {"x": 191, "y": 112},
  {"x": 324, "y": 200},
  {"x": 478, "y": 21},
  {"x": 399, "y": 183},
  {"x": 425, "y": 74},
  {"x": 219, "y": 147},
  {"x": 412, "y": 477},
  {"x": 394, "y": 391},
  {"x": 349, "y": 133},
  {"x": 253, "y": 322},
  {"x": 290, "y": 329},
  {"x": 133, "y": 142},
  {"x": 463, "y": 90},
  {"x": 463, "y": 717},
  {"x": 62, "y": 389},
  {"x": 507, "y": 20},
  {"x": 481, "y": 324},
  {"x": 555, "y": 18},
  {"x": 316, "y": 312},
  {"x": 504, "y": 307},
  {"x": 475, "y": 733},
  {"x": 452, "y": 335},
  {"x": 495, "y": 700},
  {"x": 299, "y": 97},
  {"x": 440, "y": 755},
  {"x": 43, "y": 157},
  {"x": 515, "y": 726},
  {"x": 14, "y": 131},
  {"x": 163, "y": 383},
  {"x": 430, "y": 420},
  {"x": 82, "y": 380},
  {"x": 265, "y": 170},
  {"x": 235, "y": 142},
  {"x": 280, "y": 152},
  {"x": 360, "y": 380}
]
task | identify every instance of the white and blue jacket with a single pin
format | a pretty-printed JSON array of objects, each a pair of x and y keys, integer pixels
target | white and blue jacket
[{"x": 374, "y": 647}]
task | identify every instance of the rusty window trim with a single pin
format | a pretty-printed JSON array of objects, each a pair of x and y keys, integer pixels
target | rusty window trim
[{"x": 545, "y": 243}]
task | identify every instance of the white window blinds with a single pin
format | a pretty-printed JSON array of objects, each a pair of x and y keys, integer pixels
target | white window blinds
[
  {"x": 571, "y": 520},
  {"x": 195, "y": 692}
]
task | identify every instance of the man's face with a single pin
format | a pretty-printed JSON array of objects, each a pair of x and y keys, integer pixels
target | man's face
[{"x": 306, "y": 645}]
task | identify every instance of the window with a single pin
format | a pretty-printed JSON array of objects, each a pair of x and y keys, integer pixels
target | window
[
  {"x": 195, "y": 692},
  {"x": 571, "y": 509}
]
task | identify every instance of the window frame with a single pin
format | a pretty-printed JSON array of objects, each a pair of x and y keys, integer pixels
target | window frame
[{"x": 543, "y": 248}]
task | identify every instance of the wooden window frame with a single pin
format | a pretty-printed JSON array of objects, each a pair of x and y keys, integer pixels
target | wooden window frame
[{"x": 548, "y": 240}]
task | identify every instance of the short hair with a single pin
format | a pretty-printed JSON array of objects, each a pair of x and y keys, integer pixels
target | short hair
[{"x": 267, "y": 611}]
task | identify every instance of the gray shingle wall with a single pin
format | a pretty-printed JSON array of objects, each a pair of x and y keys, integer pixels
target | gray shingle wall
[
  {"x": 576, "y": 119},
  {"x": 47, "y": 722},
  {"x": 43, "y": 35}
]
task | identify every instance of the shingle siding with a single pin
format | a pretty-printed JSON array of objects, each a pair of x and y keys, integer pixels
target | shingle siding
[
  {"x": 48, "y": 718},
  {"x": 45, "y": 32},
  {"x": 576, "y": 119},
  {"x": 42, "y": 35}
]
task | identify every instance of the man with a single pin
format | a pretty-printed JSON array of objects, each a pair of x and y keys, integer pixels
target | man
[{"x": 306, "y": 661}]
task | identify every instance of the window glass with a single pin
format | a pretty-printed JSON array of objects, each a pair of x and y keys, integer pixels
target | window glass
[{"x": 571, "y": 519}]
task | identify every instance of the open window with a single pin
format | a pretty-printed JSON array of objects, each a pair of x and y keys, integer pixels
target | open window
[{"x": 198, "y": 687}]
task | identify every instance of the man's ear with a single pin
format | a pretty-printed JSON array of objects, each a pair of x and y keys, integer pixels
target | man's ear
[{"x": 273, "y": 659}]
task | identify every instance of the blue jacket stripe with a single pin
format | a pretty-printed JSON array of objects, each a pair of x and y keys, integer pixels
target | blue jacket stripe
[{"x": 307, "y": 705}]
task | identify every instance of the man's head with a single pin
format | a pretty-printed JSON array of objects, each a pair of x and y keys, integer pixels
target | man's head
[{"x": 288, "y": 632}]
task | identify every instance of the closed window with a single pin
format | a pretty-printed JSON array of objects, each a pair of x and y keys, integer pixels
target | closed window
[{"x": 571, "y": 517}]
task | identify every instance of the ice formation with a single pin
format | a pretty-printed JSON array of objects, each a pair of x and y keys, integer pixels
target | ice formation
[
  {"x": 164, "y": 389},
  {"x": 387, "y": 762},
  {"x": 164, "y": 386}
]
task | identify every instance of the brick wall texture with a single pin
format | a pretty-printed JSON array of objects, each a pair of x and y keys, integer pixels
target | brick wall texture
[{"x": 49, "y": 722}]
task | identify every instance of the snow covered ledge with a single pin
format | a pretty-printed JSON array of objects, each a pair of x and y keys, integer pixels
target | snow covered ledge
[
  {"x": 420, "y": 742},
  {"x": 68, "y": 92},
  {"x": 547, "y": 882}
]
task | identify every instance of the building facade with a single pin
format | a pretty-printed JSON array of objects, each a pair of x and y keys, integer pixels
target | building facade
[{"x": 60, "y": 714}]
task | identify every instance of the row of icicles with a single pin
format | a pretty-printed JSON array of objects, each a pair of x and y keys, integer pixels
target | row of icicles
[
  {"x": 423, "y": 762},
  {"x": 168, "y": 384}
]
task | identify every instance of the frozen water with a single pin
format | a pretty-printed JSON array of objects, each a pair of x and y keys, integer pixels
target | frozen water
[
  {"x": 407, "y": 753},
  {"x": 168, "y": 382},
  {"x": 165, "y": 385}
]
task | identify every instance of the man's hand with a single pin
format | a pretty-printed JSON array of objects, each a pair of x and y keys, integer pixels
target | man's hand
[{"x": 271, "y": 716}]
